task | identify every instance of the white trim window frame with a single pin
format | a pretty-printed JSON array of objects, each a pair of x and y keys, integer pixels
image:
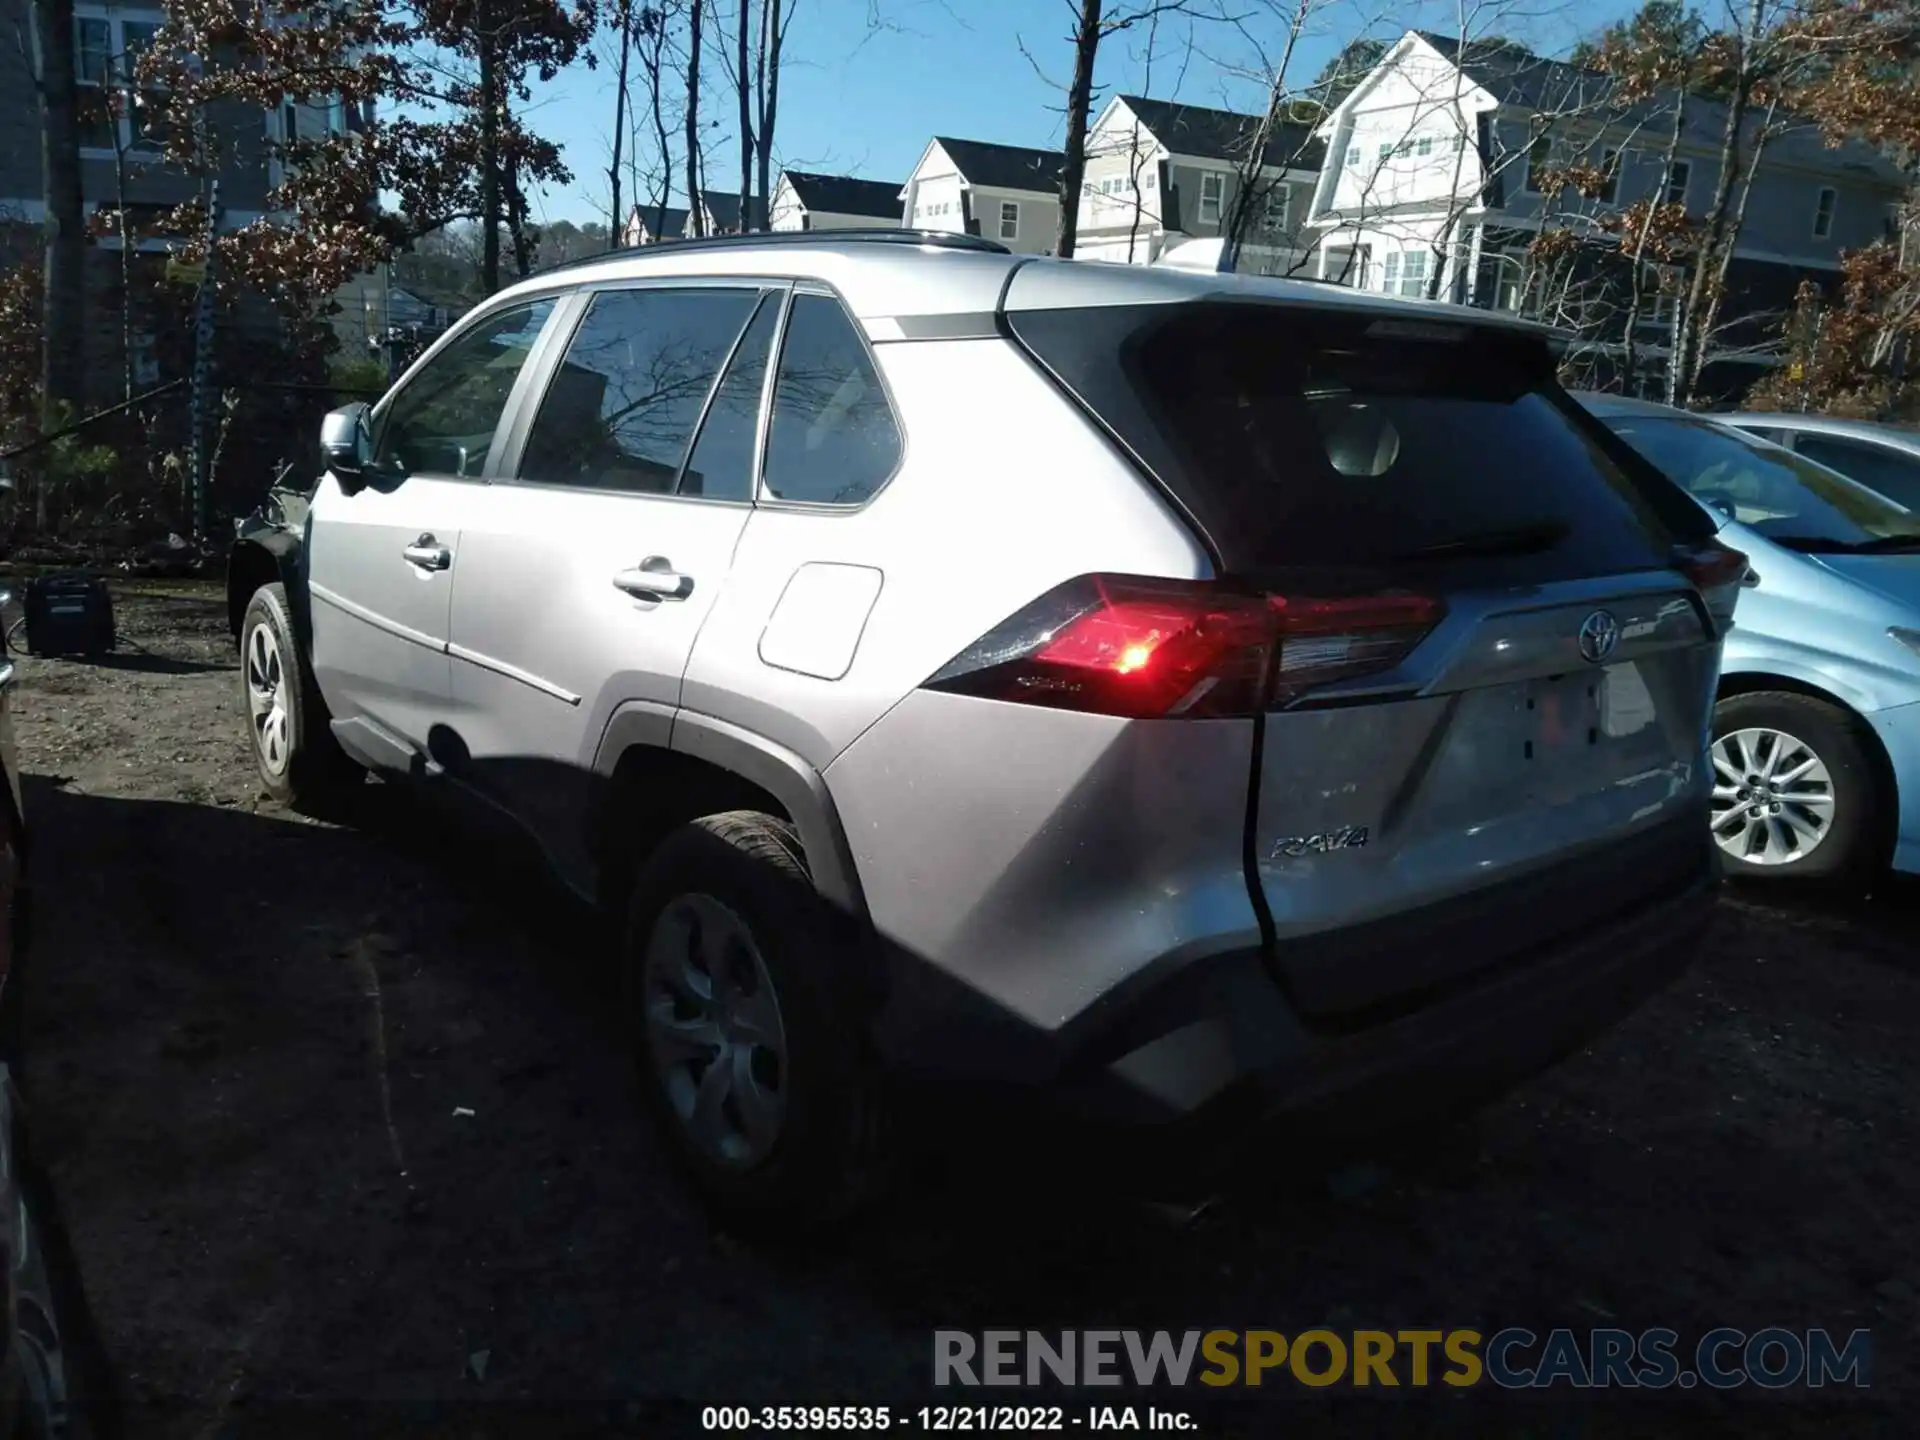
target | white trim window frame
[
  {"x": 106, "y": 45},
  {"x": 1009, "y": 219},
  {"x": 1413, "y": 272},
  {"x": 1275, "y": 207},
  {"x": 1825, "y": 204},
  {"x": 1213, "y": 197}
]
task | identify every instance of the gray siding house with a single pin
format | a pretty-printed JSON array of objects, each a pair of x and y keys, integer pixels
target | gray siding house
[
  {"x": 1160, "y": 173},
  {"x": 1439, "y": 177}
]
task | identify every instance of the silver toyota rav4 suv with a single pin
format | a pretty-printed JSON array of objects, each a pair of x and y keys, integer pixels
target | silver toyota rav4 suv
[{"x": 1180, "y": 699}]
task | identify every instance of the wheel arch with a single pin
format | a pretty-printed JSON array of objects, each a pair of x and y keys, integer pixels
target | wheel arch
[
  {"x": 664, "y": 769},
  {"x": 262, "y": 559},
  {"x": 1756, "y": 682}
]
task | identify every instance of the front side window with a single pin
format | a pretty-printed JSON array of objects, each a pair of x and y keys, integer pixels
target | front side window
[
  {"x": 621, "y": 409},
  {"x": 443, "y": 421},
  {"x": 1213, "y": 189},
  {"x": 1789, "y": 498},
  {"x": 832, "y": 439}
]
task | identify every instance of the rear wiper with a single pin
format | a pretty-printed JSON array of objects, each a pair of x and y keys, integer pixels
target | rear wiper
[{"x": 1519, "y": 540}]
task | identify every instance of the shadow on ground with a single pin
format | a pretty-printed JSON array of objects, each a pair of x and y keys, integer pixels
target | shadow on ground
[{"x": 346, "y": 1144}]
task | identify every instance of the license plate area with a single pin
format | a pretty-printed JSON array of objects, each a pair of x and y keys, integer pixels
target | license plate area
[{"x": 1558, "y": 727}]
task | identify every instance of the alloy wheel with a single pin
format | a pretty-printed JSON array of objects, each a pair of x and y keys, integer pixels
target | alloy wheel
[
  {"x": 269, "y": 701},
  {"x": 1773, "y": 801}
]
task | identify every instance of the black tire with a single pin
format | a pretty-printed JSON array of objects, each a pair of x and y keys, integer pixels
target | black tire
[
  {"x": 315, "y": 776},
  {"x": 828, "y": 1155},
  {"x": 1856, "y": 839}
]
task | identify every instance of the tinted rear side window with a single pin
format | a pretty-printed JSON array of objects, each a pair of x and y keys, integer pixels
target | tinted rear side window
[
  {"x": 832, "y": 439},
  {"x": 1308, "y": 438}
]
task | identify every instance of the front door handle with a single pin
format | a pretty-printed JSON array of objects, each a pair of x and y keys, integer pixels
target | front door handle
[
  {"x": 655, "y": 579},
  {"x": 428, "y": 554}
]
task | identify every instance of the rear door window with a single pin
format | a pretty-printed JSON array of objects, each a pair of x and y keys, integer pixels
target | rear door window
[
  {"x": 1314, "y": 438},
  {"x": 620, "y": 410}
]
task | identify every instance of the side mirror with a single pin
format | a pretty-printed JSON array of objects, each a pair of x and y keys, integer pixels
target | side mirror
[{"x": 346, "y": 445}]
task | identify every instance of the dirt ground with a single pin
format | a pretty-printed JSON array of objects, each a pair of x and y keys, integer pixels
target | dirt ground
[{"x": 346, "y": 1147}]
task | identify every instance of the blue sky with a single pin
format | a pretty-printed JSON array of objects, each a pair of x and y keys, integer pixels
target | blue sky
[{"x": 863, "y": 100}]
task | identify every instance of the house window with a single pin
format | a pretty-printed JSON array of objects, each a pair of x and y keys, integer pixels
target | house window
[
  {"x": 1009, "y": 220},
  {"x": 1679, "y": 173},
  {"x": 1459, "y": 141},
  {"x": 1403, "y": 149},
  {"x": 289, "y": 121},
  {"x": 1353, "y": 158},
  {"x": 1386, "y": 150},
  {"x": 1213, "y": 191},
  {"x": 1273, "y": 210},
  {"x": 1823, "y": 212},
  {"x": 1404, "y": 272},
  {"x": 1610, "y": 169},
  {"x": 1539, "y": 161},
  {"x": 1659, "y": 294},
  {"x": 1423, "y": 146},
  {"x": 114, "y": 113}
]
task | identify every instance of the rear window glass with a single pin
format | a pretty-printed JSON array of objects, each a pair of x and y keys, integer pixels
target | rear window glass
[{"x": 1301, "y": 437}]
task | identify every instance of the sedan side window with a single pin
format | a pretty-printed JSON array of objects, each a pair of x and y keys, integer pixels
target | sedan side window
[
  {"x": 620, "y": 410},
  {"x": 442, "y": 422},
  {"x": 1891, "y": 473}
]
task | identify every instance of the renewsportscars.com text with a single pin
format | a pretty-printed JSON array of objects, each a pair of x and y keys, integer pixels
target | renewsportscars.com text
[{"x": 1513, "y": 1358}]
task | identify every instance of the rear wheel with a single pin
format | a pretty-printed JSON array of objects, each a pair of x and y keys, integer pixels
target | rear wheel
[
  {"x": 741, "y": 1000},
  {"x": 300, "y": 764},
  {"x": 1795, "y": 795}
]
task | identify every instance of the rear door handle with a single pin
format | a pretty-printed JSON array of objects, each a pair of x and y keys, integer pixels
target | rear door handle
[
  {"x": 428, "y": 554},
  {"x": 654, "y": 579}
]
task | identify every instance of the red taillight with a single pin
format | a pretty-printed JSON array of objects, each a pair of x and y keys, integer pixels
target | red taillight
[
  {"x": 1718, "y": 573},
  {"x": 1126, "y": 645}
]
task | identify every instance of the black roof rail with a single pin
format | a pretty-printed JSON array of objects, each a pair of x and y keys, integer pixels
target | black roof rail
[{"x": 782, "y": 239}]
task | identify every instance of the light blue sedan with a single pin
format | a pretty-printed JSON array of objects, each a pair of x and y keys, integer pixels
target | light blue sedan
[{"x": 1817, "y": 732}]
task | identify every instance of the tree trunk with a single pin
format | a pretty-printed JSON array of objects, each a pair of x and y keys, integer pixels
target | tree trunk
[
  {"x": 696, "y": 222},
  {"x": 743, "y": 85},
  {"x": 489, "y": 162},
  {"x": 1073, "y": 168},
  {"x": 1630, "y": 341},
  {"x": 1723, "y": 264},
  {"x": 653, "y": 63},
  {"x": 616, "y": 221},
  {"x": 62, "y": 348},
  {"x": 766, "y": 90},
  {"x": 1688, "y": 337}
]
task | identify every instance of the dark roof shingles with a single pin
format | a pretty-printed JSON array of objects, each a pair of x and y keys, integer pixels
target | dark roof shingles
[
  {"x": 846, "y": 194},
  {"x": 1224, "y": 134},
  {"x": 1004, "y": 167}
]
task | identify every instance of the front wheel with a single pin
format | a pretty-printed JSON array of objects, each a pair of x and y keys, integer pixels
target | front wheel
[
  {"x": 1795, "y": 794},
  {"x": 299, "y": 761}
]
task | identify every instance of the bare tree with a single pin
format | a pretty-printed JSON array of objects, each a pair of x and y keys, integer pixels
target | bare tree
[
  {"x": 656, "y": 34},
  {"x": 1095, "y": 21},
  {"x": 743, "y": 92},
  {"x": 621, "y": 18},
  {"x": 696, "y": 219},
  {"x": 775, "y": 17}
]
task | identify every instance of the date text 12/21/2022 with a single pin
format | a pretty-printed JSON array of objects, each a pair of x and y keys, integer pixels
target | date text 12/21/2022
[{"x": 942, "y": 1419}]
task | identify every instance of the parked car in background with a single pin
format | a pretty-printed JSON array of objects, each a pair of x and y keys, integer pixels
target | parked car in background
[
  {"x": 901, "y": 754},
  {"x": 1884, "y": 458},
  {"x": 1817, "y": 729}
]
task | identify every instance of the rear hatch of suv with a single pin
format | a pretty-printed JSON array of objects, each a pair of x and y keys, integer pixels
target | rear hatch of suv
[{"x": 1487, "y": 637}]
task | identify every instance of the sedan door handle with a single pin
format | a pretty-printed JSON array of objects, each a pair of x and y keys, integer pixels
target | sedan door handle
[
  {"x": 655, "y": 579},
  {"x": 428, "y": 554}
]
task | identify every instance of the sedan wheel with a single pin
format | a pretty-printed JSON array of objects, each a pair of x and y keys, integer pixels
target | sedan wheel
[{"x": 1773, "y": 797}]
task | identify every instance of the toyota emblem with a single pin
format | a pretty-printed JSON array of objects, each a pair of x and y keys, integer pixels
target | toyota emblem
[{"x": 1599, "y": 633}]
